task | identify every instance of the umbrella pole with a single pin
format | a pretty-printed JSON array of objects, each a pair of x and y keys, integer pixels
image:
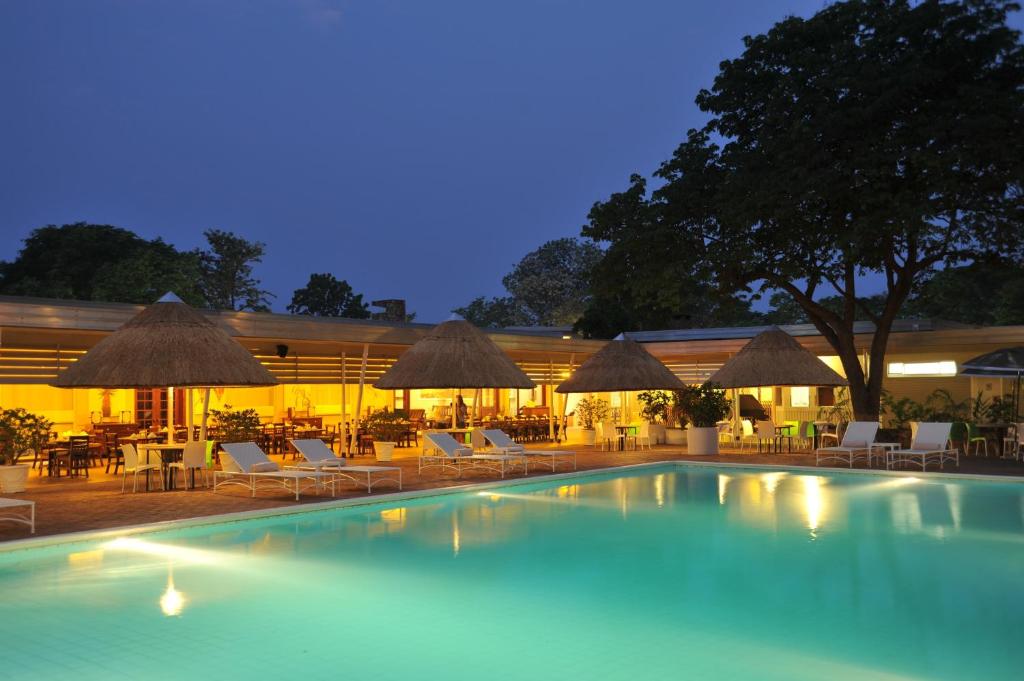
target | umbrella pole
[
  {"x": 737, "y": 427},
  {"x": 454, "y": 409},
  {"x": 170, "y": 414},
  {"x": 206, "y": 413},
  {"x": 189, "y": 416},
  {"x": 550, "y": 388},
  {"x": 475, "y": 414}
]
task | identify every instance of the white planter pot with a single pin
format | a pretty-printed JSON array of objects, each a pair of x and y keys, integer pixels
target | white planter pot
[
  {"x": 384, "y": 450},
  {"x": 13, "y": 478},
  {"x": 657, "y": 433},
  {"x": 589, "y": 436},
  {"x": 702, "y": 441},
  {"x": 675, "y": 436}
]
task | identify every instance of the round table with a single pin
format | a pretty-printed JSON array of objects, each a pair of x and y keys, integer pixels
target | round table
[{"x": 169, "y": 452}]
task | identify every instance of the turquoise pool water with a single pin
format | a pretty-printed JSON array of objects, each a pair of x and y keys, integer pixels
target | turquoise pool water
[{"x": 668, "y": 573}]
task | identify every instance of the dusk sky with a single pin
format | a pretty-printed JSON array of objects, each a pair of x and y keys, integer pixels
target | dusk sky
[{"x": 416, "y": 149}]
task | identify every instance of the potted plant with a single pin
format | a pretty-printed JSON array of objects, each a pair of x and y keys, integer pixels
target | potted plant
[
  {"x": 385, "y": 427},
  {"x": 590, "y": 411},
  {"x": 20, "y": 432},
  {"x": 704, "y": 406},
  {"x": 237, "y": 426},
  {"x": 675, "y": 429},
  {"x": 656, "y": 410}
]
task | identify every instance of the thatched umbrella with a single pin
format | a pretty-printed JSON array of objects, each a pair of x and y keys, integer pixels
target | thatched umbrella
[
  {"x": 453, "y": 355},
  {"x": 773, "y": 357},
  {"x": 167, "y": 344},
  {"x": 622, "y": 364}
]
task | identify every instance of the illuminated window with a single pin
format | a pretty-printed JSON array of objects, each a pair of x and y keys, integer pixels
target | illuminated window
[
  {"x": 921, "y": 369},
  {"x": 800, "y": 396}
]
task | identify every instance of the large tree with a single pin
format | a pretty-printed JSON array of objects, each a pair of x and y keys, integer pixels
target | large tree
[
  {"x": 227, "y": 279},
  {"x": 655, "y": 282},
  {"x": 99, "y": 262},
  {"x": 550, "y": 286},
  {"x": 326, "y": 296},
  {"x": 877, "y": 136}
]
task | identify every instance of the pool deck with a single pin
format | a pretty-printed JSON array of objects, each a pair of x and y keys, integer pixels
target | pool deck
[{"x": 75, "y": 504}]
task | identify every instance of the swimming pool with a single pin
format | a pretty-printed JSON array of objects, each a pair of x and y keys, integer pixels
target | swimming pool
[{"x": 687, "y": 572}]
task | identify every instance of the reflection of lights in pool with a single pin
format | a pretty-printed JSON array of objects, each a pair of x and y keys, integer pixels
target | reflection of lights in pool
[
  {"x": 814, "y": 500},
  {"x": 771, "y": 480},
  {"x": 723, "y": 484},
  {"x": 456, "y": 537},
  {"x": 179, "y": 553},
  {"x": 659, "y": 489},
  {"x": 172, "y": 602}
]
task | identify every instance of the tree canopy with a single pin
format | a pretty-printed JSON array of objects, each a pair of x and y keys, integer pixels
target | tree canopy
[
  {"x": 550, "y": 286},
  {"x": 227, "y": 281},
  {"x": 326, "y": 296},
  {"x": 875, "y": 136},
  {"x": 100, "y": 262}
]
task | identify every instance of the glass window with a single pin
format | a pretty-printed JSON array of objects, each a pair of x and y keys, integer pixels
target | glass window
[{"x": 800, "y": 396}]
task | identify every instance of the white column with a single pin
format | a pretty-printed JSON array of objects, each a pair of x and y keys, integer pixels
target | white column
[{"x": 359, "y": 397}]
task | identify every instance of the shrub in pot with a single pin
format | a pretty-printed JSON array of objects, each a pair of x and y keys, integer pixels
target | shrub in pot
[
  {"x": 243, "y": 425},
  {"x": 703, "y": 406},
  {"x": 21, "y": 432},
  {"x": 385, "y": 427},
  {"x": 590, "y": 411}
]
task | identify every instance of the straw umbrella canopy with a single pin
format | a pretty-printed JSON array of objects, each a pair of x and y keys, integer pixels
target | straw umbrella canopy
[
  {"x": 773, "y": 357},
  {"x": 622, "y": 364},
  {"x": 167, "y": 344},
  {"x": 453, "y": 355}
]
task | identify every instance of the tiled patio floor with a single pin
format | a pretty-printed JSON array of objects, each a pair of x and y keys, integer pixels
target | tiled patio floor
[{"x": 70, "y": 505}]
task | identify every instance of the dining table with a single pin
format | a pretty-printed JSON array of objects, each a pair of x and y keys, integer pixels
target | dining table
[
  {"x": 169, "y": 453},
  {"x": 623, "y": 432},
  {"x": 784, "y": 430}
]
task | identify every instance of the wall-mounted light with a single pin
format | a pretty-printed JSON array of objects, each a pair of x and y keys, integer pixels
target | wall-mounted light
[{"x": 282, "y": 350}]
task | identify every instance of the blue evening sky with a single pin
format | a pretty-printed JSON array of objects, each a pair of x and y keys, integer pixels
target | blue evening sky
[{"x": 417, "y": 149}]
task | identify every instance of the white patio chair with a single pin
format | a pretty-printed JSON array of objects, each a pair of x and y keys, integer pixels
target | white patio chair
[
  {"x": 643, "y": 436},
  {"x": 856, "y": 444},
  {"x": 766, "y": 433},
  {"x": 133, "y": 465},
  {"x": 503, "y": 444},
  {"x": 930, "y": 445},
  {"x": 747, "y": 435},
  {"x": 458, "y": 456},
  {"x": 245, "y": 464},
  {"x": 319, "y": 457},
  {"x": 193, "y": 458},
  {"x": 604, "y": 440}
]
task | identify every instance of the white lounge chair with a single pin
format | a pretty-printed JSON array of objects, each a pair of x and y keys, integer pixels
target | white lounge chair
[
  {"x": 458, "y": 456},
  {"x": 245, "y": 464},
  {"x": 930, "y": 445},
  {"x": 500, "y": 442},
  {"x": 856, "y": 444},
  {"x": 319, "y": 457},
  {"x": 28, "y": 506}
]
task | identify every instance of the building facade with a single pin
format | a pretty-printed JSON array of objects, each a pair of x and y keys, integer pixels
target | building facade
[{"x": 322, "y": 362}]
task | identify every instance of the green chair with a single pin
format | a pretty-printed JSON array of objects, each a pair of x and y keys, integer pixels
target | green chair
[
  {"x": 974, "y": 437},
  {"x": 958, "y": 434}
]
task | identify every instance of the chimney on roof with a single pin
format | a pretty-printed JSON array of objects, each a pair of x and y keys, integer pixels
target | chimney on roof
[{"x": 394, "y": 310}]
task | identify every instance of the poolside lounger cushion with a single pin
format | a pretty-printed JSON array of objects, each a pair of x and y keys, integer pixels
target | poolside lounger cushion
[{"x": 318, "y": 456}]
